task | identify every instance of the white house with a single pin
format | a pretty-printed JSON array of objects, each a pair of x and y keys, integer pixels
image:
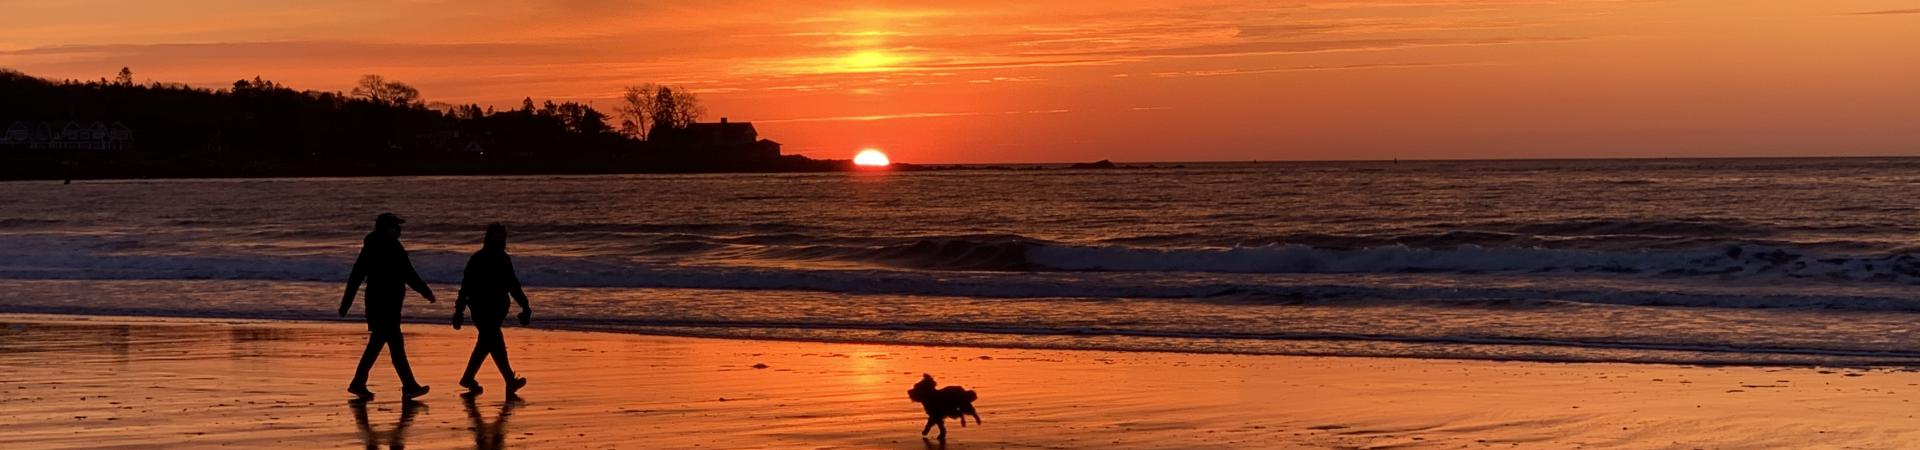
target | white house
[
  {"x": 18, "y": 133},
  {"x": 71, "y": 136}
]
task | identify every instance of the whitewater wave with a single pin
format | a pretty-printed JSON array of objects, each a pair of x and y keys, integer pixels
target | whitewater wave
[
  {"x": 1013, "y": 266},
  {"x": 1728, "y": 260},
  {"x": 1747, "y": 260},
  {"x": 1409, "y": 284}
]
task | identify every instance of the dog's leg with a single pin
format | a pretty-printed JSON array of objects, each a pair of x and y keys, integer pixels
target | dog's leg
[
  {"x": 930, "y": 422},
  {"x": 943, "y": 429}
]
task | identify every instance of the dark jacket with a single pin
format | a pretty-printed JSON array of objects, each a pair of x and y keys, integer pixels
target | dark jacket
[
  {"x": 384, "y": 267},
  {"x": 488, "y": 282}
]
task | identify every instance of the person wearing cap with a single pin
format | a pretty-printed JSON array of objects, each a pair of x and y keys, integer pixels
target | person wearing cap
[{"x": 384, "y": 267}]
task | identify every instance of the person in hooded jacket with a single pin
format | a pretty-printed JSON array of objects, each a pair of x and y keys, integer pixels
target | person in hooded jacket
[
  {"x": 489, "y": 281},
  {"x": 384, "y": 267}
]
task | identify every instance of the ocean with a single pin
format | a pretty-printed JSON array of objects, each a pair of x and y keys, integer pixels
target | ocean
[{"x": 1721, "y": 261}]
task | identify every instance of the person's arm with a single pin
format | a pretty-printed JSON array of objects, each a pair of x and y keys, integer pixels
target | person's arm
[
  {"x": 460, "y": 308},
  {"x": 353, "y": 281},
  {"x": 413, "y": 277},
  {"x": 460, "y": 298},
  {"x": 513, "y": 288}
]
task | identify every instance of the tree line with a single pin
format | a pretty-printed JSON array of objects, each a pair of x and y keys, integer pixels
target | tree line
[{"x": 258, "y": 127}]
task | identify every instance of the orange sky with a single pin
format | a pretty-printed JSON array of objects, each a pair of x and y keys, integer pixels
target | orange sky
[{"x": 1041, "y": 81}]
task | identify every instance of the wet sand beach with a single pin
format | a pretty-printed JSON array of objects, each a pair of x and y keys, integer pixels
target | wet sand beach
[{"x": 116, "y": 382}]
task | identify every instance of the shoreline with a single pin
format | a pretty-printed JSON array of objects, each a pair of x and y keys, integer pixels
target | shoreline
[
  {"x": 658, "y": 330},
  {"x": 98, "y": 381}
]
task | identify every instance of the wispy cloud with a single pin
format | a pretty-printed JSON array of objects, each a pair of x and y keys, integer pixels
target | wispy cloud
[
  {"x": 916, "y": 115},
  {"x": 1888, "y": 12},
  {"x": 1269, "y": 70},
  {"x": 869, "y": 118}
]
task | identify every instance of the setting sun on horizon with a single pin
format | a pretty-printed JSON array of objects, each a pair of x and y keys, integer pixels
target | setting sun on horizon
[{"x": 871, "y": 158}]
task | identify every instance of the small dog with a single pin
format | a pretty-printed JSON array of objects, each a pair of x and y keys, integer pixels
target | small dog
[{"x": 951, "y": 401}]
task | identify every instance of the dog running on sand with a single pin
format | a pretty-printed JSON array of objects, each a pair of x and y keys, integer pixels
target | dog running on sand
[{"x": 942, "y": 403}]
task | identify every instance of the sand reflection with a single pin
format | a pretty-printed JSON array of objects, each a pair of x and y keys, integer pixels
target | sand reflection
[
  {"x": 395, "y": 438},
  {"x": 489, "y": 435}
]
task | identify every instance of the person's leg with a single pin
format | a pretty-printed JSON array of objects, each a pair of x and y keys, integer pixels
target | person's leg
[
  {"x": 497, "y": 344},
  {"x": 473, "y": 362},
  {"x": 374, "y": 341},
  {"x": 397, "y": 344}
]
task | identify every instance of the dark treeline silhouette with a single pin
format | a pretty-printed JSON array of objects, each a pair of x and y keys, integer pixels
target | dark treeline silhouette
[{"x": 118, "y": 128}]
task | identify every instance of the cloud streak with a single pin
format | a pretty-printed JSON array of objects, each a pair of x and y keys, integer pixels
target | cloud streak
[
  {"x": 1272, "y": 70},
  {"x": 1888, "y": 12},
  {"x": 916, "y": 115}
]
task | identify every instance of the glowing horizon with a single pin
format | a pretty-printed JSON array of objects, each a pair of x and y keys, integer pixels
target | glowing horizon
[{"x": 1052, "y": 81}]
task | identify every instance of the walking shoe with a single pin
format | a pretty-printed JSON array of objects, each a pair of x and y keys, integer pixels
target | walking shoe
[{"x": 415, "y": 391}]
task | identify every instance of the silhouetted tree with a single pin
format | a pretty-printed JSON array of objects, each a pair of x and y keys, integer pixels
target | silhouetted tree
[
  {"x": 124, "y": 78},
  {"x": 377, "y": 89},
  {"x": 666, "y": 110},
  {"x": 675, "y": 109},
  {"x": 651, "y": 107},
  {"x": 636, "y": 108},
  {"x": 579, "y": 118},
  {"x": 256, "y": 85},
  {"x": 687, "y": 108}
]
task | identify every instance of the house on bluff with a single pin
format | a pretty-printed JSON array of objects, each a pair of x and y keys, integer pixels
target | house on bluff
[{"x": 722, "y": 141}]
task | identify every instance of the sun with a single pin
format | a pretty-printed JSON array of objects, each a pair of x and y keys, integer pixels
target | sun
[
  {"x": 871, "y": 158},
  {"x": 869, "y": 60}
]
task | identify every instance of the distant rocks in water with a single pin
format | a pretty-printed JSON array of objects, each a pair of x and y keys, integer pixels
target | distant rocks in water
[{"x": 1107, "y": 164}]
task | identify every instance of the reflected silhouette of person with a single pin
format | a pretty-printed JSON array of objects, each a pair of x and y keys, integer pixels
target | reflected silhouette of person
[
  {"x": 488, "y": 281},
  {"x": 384, "y": 267},
  {"x": 489, "y": 436},
  {"x": 395, "y": 439}
]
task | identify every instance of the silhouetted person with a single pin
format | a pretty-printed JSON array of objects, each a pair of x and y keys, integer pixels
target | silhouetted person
[
  {"x": 395, "y": 439},
  {"x": 488, "y": 282},
  {"x": 489, "y": 436},
  {"x": 384, "y": 266}
]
